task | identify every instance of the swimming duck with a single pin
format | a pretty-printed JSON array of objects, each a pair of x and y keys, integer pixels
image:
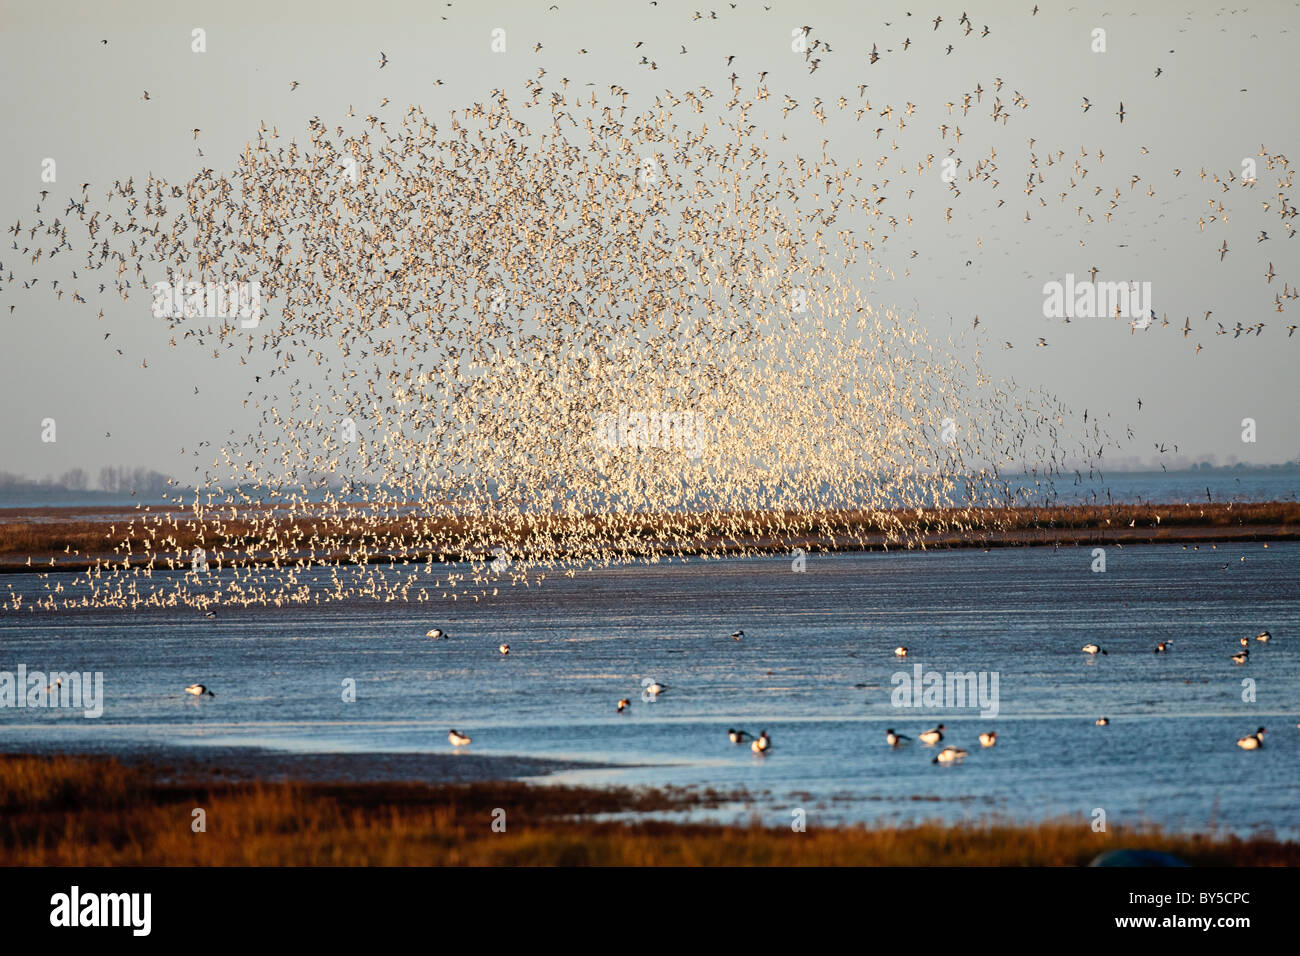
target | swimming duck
[
  {"x": 932, "y": 736},
  {"x": 1252, "y": 741}
]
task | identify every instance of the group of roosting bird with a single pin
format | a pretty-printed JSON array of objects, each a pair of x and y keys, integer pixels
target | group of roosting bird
[{"x": 762, "y": 744}]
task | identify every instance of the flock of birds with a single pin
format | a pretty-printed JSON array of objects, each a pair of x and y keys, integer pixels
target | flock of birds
[
  {"x": 987, "y": 739},
  {"x": 1239, "y": 657},
  {"x": 934, "y": 735},
  {"x": 455, "y": 304},
  {"x": 762, "y": 744},
  {"x": 1250, "y": 741}
]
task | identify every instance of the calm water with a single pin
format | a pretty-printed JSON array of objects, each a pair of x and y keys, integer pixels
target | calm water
[
  {"x": 814, "y": 670},
  {"x": 1116, "y": 486},
  {"x": 1180, "y": 486}
]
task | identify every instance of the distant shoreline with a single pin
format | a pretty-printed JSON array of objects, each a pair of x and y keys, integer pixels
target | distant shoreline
[
  {"x": 18, "y": 493},
  {"x": 73, "y": 540}
]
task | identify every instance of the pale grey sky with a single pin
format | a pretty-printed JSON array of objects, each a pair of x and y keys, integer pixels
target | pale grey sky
[{"x": 1228, "y": 87}]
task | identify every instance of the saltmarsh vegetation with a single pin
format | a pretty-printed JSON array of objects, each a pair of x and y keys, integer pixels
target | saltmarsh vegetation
[{"x": 75, "y": 811}]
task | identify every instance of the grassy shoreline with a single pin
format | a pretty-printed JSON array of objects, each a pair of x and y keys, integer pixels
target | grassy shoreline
[
  {"x": 78, "y": 539},
  {"x": 79, "y": 811}
]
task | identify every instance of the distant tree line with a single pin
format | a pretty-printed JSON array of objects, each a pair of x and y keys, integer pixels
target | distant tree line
[{"x": 122, "y": 480}]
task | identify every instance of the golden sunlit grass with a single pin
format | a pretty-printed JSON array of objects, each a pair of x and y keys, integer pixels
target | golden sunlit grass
[
  {"x": 61, "y": 782},
  {"x": 91, "y": 812}
]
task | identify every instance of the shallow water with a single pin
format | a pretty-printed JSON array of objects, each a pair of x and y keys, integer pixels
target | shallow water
[
  {"x": 814, "y": 670},
  {"x": 1281, "y": 484}
]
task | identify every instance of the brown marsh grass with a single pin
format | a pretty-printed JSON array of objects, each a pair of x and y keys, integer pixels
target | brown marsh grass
[
  {"x": 93, "y": 812},
  {"x": 76, "y": 537}
]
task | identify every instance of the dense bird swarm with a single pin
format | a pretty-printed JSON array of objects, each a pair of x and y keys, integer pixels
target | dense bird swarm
[{"x": 503, "y": 347}]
